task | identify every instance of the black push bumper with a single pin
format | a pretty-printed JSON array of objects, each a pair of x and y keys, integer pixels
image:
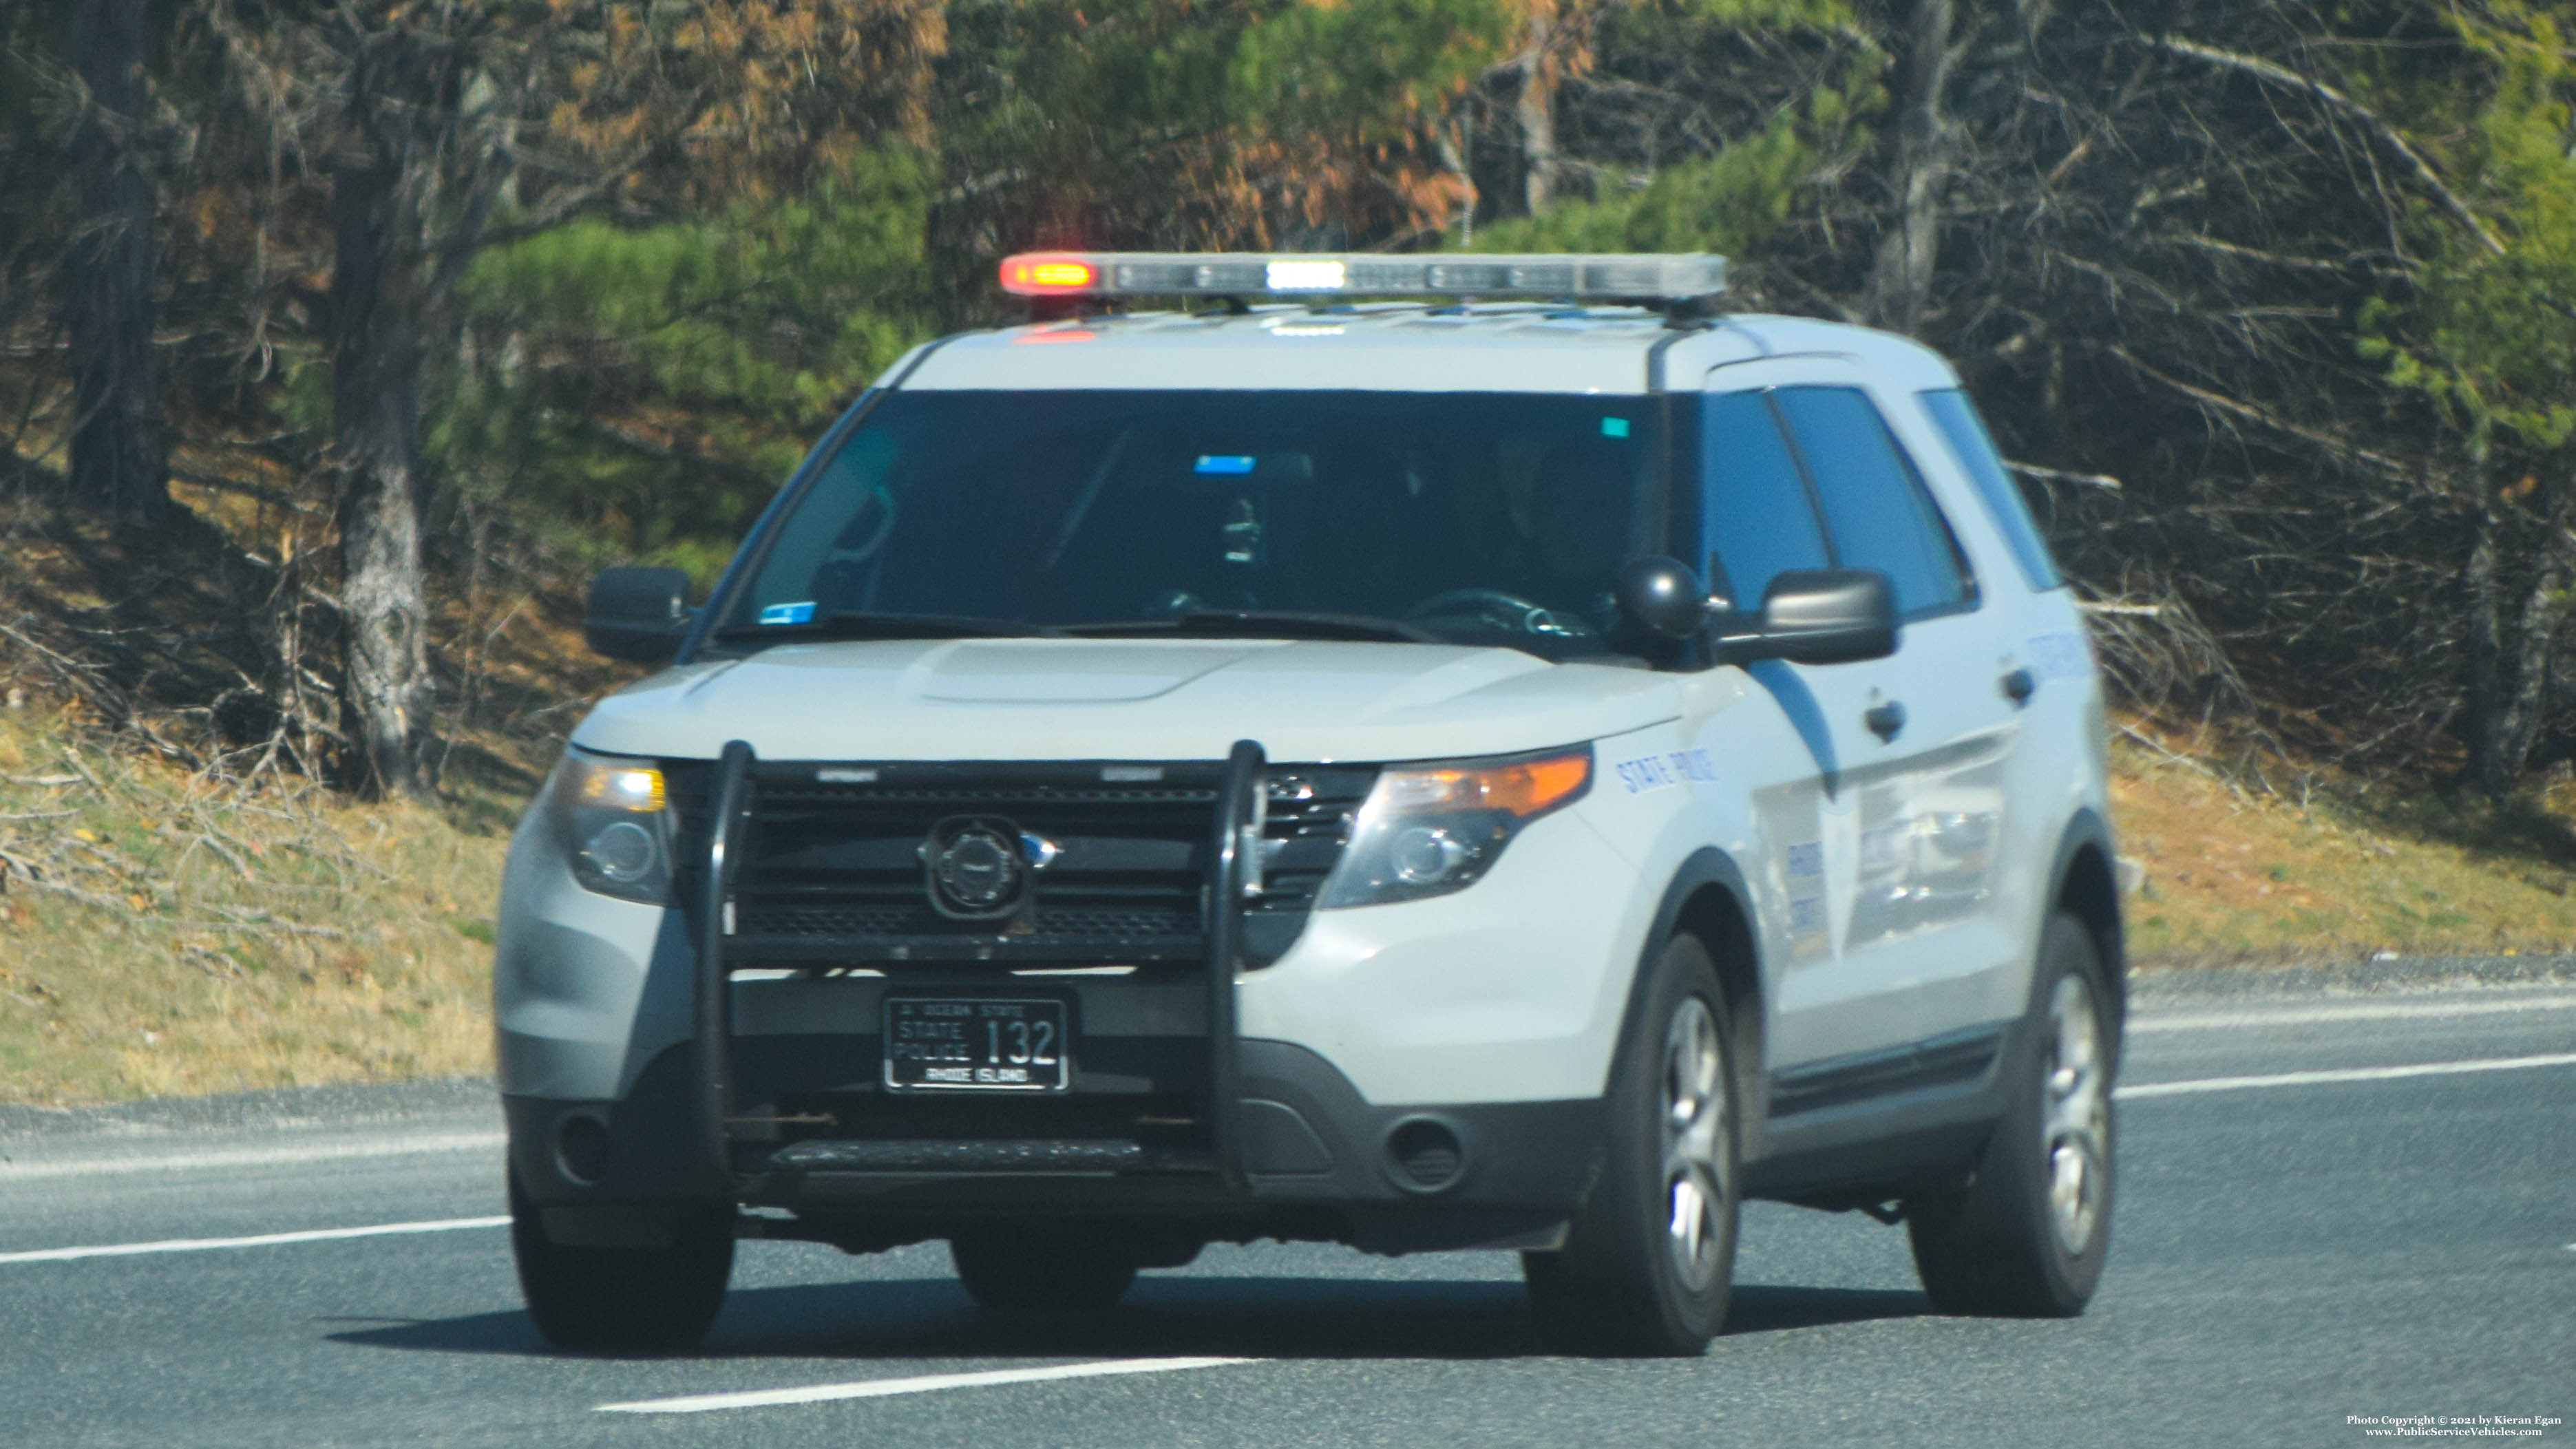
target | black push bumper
[{"x": 1281, "y": 1144}]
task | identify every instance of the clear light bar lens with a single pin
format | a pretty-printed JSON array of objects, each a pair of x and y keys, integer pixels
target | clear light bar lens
[
  {"x": 1302, "y": 276},
  {"x": 1641, "y": 277}
]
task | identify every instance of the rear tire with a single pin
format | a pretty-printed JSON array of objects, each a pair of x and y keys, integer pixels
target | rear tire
[
  {"x": 621, "y": 1300},
  {"x": 2027, "y": 1234},
  {"x": 1025, "y": 1268},
  {"x": 1649, "y": 1262}
]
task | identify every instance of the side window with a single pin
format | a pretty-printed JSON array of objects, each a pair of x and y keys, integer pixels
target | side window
[
  {"x": 1975, "y": 450},
  {"x": 1875, "y": 504},
  {"x": 1754, "y": 508}
]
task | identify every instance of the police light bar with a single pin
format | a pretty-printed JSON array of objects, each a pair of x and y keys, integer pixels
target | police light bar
[{"x": 1644, "y": 276}]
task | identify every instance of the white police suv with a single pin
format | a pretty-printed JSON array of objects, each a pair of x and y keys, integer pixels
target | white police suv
[{"x": 1528, "y": 772}]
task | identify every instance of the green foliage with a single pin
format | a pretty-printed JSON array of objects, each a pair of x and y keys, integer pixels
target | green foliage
[
  {"x": 1211, "y": 123},
  {"x": 1721, "y": 204},
  {"x": 2492, "y": 339},
  {"x": 1765, "y": 14},
  {"x": 639, "y": 391},
  {"x": 1725, "y": 203},
  {"x": 658, "y": 382},
  {"x": 1373, "y": 71}
]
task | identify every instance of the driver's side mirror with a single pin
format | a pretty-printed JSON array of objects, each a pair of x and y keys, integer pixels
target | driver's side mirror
[
  {"x": 1819, "y": 616},
  {"x": 637, "y": 614}
]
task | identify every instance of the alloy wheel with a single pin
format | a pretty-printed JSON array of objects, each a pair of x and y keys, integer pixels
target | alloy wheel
[
  {"x": 1694, "y": 1141},
  {"x": 2074, "y": 1115}
]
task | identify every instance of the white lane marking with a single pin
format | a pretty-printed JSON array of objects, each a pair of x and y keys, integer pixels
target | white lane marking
[
  {"x": 927, "y": 1383},
  {"x": 2348, "y": 1011},
  {"x": 264, "y": 1240},
  {"x": 256, "y": 1156},
  {"x": 2346, "y": 1074}
]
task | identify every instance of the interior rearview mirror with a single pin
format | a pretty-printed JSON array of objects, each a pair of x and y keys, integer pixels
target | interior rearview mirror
[
  {"x": 1821, "y": 616},
  {"x": 638, "y": 614}
]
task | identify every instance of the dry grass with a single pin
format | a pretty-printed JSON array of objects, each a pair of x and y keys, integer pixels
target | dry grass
[
  {"x": 161, "y": 932},
  {"x": 2233, "y": 875}
]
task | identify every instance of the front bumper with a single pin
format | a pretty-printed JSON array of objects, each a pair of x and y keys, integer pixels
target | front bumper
[
  {"x": 1176, "y": 1118},
  {"x": 1316, "y": 1161}
]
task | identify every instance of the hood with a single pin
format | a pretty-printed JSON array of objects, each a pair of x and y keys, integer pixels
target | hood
[{"x": 1090, "y": 699}]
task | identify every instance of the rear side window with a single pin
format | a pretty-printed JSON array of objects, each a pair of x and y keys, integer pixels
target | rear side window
[
  {"x": 1874, "y": 502},
  {"x": 1754, "y": 507},
  {"x": 1975, "y": 449}
]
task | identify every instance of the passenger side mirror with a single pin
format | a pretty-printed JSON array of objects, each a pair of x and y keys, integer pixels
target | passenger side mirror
[
  {"x": 1820, "y": 616},
  {"x": 1663, "y": 597},
  {"x": 637, "y": 614}
]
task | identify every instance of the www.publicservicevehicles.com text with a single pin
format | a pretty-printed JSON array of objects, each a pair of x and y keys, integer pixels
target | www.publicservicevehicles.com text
[{"x": 2452, "y": 1426}]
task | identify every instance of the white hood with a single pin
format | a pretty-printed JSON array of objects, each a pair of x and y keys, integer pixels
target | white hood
[{"x": 1156, "y": 699}]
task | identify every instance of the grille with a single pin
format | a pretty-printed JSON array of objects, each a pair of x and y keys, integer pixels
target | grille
[
  {"x": 810, "y": 921},
  {"x": 831, "y": 870}
]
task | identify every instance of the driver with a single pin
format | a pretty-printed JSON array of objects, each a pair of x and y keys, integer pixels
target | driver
[{"x": 1579, "y": 527}]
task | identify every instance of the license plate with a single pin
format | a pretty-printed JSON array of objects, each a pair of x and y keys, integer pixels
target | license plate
[{"x": 975, "y": 1045}]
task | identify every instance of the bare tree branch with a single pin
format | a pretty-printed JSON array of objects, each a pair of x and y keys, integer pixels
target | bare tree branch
[{"x": 2282, "y": 75}]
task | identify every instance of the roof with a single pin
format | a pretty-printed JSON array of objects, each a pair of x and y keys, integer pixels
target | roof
[{"x": 1392, "y": 347}]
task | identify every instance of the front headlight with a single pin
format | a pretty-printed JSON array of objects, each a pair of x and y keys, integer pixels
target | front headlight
[
  {"x": 1431, "y": 829},
  {"x": 615, "y": 819}
]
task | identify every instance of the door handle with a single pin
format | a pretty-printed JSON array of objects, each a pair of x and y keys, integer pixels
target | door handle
[
  {"x": 2019, "y": 686},
  {"x": 1885, "y": 720}
]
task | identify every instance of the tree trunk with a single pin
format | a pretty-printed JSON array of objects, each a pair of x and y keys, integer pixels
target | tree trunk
[
  {"x": 2506, "y": 711},
  {"x": 376, "y": 403},
  {"x": 1536, "y": 114},
  {"x": 2486, "y": 708},
  {"x": 1453, "y": 159},
  {"x": 2542, "y": 609},
  {"x": 1926, "y": 152},
  {"x": 117, "y": 457}
]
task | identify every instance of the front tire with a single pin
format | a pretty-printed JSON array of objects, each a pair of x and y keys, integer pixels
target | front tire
[
  {"x": 621, "y": 1300},
  {"x": 2027, "y": 1235},
  {"x": 1649, "y": 1262}
]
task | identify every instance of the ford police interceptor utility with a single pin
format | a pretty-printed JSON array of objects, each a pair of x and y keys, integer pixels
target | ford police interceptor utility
[{"x": 1529, "y": 767}]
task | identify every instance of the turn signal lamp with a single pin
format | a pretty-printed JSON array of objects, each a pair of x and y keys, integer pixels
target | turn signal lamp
[
  {"x": 1608, "y": 276},
  {"x": 1518, "y": 788},
  {"x": 618, "y": 786},
  {"x": 614, "y": 818},
  {"x": 1430, "y": 829}
]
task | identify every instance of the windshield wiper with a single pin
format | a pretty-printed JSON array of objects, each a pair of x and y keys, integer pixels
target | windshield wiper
[
  {"x": 1269, "y": 624},
  {"x": 887, "y": 626}
]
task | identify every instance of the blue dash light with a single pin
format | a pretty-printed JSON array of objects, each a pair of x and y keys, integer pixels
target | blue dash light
[{"x": 1230, "y": 465}]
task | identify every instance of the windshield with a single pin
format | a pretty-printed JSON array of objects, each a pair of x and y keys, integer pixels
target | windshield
[{"x": 1463, "y": 517}]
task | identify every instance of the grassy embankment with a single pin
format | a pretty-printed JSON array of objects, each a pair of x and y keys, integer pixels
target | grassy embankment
[
  {"x": 161, "y": 934},
  {"x": 176, "y": 936},
  {"x": 2237, "y": 877}
]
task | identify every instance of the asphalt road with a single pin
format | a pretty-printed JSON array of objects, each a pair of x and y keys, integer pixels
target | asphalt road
[{"x": 2287, "y": 1254}]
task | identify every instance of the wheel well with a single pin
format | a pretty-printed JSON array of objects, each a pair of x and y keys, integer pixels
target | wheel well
[
  {"x": 1714, "y": 916},
  {"x": 2090, "y": 891}
]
